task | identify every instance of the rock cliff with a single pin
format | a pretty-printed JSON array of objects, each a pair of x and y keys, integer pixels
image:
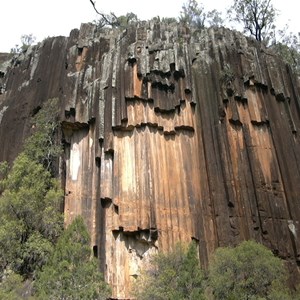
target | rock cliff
[{"x": 169, "y": 135}]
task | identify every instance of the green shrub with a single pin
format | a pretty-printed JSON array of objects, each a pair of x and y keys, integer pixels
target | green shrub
[
  {"x": 248, "y": 271},
  {"x": 71, "y": 273},
  {"x": 174, "y": 275}
]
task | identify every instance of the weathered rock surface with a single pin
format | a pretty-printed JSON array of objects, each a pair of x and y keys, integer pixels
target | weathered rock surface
[{"x": 169, "y": 136}]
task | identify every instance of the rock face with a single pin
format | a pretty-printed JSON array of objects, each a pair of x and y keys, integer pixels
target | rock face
[{"x": 169, "y": 135}]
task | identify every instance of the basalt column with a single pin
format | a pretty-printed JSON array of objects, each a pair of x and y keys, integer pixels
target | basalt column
[{"x": 150, "y": 164}]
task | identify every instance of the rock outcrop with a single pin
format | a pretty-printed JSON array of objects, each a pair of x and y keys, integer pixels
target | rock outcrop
[{"x": 170, "y": 135}]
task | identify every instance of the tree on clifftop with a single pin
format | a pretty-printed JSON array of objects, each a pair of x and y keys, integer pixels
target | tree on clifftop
[
  {"x": 193, "y": 14},
  {"x": 257, "y": 16},
  {"x": 26, "y": 41},
  {"x": 288, "y": 48}
]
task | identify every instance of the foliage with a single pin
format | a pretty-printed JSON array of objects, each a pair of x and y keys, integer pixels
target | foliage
[
  {"x": 70, "y": 272},
  {"x": 257, "y": 17},
  {"x": 26, "y": 41},
  {"x": 175, "y": 275},
  {"x": 227, "y": 75},
  {"x": 214, "y": 18},
  {"x": 126, "y": 20},
  {"x": 107, "y": 20},
  {"x": 11, "y": 287},
  {"x": 288, "y": 48},
  {"x": 42, "y": 146},
  {"x": 192, "y": 14},
  {"x": 249, "y": 271},
  {"x": 168, "y": 20},
  {"x": 112, "y": 20},
  {"x": 31, "y": 224},
  {"x": 4, "y": 169},
  {"x": 30, "y": 221},
  {"x": 26, "y": 231}
]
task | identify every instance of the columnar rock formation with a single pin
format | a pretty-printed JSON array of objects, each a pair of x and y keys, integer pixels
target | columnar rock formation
[{"x": 170, "y": 135}]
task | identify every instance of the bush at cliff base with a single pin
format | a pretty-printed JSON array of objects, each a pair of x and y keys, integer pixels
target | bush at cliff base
[
  {"x": 174, "y": 275},
  {"x": 248, "y": 271},
  {"x": 71, "y": 273}
]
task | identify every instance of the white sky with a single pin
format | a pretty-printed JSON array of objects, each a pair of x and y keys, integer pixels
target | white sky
[{"x": 45, "y": 18}]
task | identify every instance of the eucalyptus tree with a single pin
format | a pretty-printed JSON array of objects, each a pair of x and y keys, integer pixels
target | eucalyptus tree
[{"x": 257, "y": 16}]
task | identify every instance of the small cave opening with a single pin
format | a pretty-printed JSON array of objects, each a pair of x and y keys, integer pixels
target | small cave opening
[
  {"x": 98, "y": 161},
  {"x": 116, "y": 209},
  {"x": 35, "y": 111},
  {"x": 106, "y": 202},
  {"x": 280, "y": 97},
  {"x": 131, "y": 60},
  {"x": 70, "y": 113},
  {"x": 178, "y": 74},
  {"x": 79, "y": 51},
  {"x": 241, "y": 99},
  {"x": 95, "y": 251},
  {"x": 235, "y": 122},
  {"x": 230, "y": 204}
]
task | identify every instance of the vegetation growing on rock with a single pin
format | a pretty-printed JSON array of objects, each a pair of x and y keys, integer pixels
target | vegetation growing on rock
[
  {"x": 176, "y": 275},
  {"x": 248, "y": 271},
  {"x": 30, "y": 217},
  {"x": 32, "y": 241},
  {"x": 71, "y": 273}
]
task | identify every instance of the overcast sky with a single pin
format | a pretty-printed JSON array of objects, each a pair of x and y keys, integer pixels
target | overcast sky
[{"x": 44, "y": 18}]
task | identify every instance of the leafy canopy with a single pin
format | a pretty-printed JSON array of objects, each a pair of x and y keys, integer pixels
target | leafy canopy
[
  {"x": 257, "y": 16},
  {"x": 194, "y": 15},
  {"x": 12, "y": 287},
  {"x": 26, "y": 41},
  {"x": 174, "y": 275},
  {"x": 288, "y": 48},
  {"x": 42, "y": 145},
  {"x": 248, "y": 271},
  {"x": 30, "y": 220},
  {"x": 71, "y": 273}
]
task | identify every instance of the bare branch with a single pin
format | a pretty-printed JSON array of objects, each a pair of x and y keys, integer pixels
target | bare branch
[{"x": 111, "y": 20}]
